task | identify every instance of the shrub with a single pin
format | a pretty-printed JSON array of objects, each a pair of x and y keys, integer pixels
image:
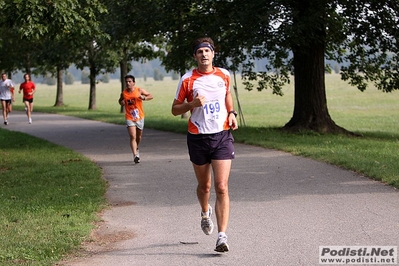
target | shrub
[
  {"x": 105, "y": 78},
  {"x": 69, "y": 79},
  {"x": 49, "y": 80},
  {"x": 85, "y": 77},
  {"x": 158, "y": 75},
  {"x": 175, "y": 76}
]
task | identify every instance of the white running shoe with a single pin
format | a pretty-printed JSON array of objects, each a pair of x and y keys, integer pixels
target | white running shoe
[
  {"x": 206, "y": 222},
  {"x": 30, "y": 120},
  {"x": 137, "y": 157},
  {"x": 221, "y": 244}
]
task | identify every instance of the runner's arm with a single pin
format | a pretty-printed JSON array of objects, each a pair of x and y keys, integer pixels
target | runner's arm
[
  {"x": 179, "y": 108},
  {"x": 230, "y": 107},
  {"x": 121, "y": 101},
  {"x": 145, "y": 95}
]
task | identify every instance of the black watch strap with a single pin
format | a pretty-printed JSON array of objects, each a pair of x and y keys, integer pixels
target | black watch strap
[{"x": 233, "y": 112}]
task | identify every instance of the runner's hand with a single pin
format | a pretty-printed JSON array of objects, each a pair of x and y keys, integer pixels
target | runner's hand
[
  {"x": 233, "y": 122},
  {"x": 199, "y": 101}
]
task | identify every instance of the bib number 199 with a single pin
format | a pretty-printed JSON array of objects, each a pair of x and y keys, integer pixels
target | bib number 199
[{"x": 211, "y": 110}]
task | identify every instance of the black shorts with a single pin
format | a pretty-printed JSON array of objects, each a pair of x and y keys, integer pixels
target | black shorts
[
  {"x": 203, "y": 148},
  {"x": 7, "y": 101},
  {"x": 27, "y": 100}
]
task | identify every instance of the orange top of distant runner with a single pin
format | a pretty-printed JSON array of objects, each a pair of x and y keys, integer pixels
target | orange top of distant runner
[{"x": 133, "y": 104}]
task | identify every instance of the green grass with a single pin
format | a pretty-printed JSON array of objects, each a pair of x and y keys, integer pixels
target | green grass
[
  {"x": 47, "y": 210},
  {"x": 50, "y": 197}
]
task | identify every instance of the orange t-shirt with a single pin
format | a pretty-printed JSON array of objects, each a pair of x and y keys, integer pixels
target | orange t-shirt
[{"x": 133, "y": 104}]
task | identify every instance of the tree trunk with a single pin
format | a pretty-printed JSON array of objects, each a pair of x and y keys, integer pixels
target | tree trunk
[
  {"x": 92, "y": 99},
  {"x": 27, "y": 64},
  {"x": 123, "y": 67},
  {"x": 59, "y": 99},
  {"x": 310, "y": 107}
]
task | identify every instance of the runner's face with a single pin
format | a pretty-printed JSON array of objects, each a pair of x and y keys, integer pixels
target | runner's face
[
  {"x": 129, "y": 83},
  {"x": 4, "y": 77},
  {"x": 204, "y": 56}
]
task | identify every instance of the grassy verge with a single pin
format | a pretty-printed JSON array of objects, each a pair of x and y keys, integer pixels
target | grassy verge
[{"x": 50, "y": 197}]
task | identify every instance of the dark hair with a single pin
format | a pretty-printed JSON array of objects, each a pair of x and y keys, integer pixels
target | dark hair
[
  {"x": 130, "y": 77},
  {"x": 202, "y": 40}
]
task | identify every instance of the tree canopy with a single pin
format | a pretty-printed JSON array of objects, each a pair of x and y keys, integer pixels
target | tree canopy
[{"x": 297, "y": 36}]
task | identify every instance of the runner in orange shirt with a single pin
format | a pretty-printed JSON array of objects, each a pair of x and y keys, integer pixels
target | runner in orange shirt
[
  {"x": 29, "y": 88},
  {"x": 132, "y": 98}
]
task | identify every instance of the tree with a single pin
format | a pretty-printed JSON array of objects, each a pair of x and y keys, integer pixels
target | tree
[
  {"x": 100, "y": 59},
  {"x": 55, "y": 56},
  {"x": 133, "y": 32},
  {"x": 58, "y": 21},
  {"x": 51, "y": 18},
  {"x": 372, "y": 46},
  {"x": 296, "y": 37},
  {"x": 178, "y": 24},
  {"x": 17, "y": 53}
]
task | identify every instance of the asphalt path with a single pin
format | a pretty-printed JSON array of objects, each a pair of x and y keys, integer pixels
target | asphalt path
[{"x": 283, "y": 207}]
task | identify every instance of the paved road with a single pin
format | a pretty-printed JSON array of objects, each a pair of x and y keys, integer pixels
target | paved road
[{"x": 283, "y": 207}]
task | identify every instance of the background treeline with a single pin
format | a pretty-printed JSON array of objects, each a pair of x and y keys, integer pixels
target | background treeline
[{"x": 151, "y": 68}]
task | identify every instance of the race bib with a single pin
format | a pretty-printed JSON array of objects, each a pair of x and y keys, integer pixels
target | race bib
[
  {"x": 135, "y": 114},
  {"x": 212, "y": 110}
]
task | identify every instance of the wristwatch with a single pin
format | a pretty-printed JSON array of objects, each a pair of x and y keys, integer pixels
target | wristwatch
[{"x": 233, "y": 112}]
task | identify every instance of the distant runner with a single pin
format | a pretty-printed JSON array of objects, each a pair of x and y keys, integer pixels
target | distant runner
[
  {"x": 6, "y": 96},
  {"x": 28, "y": 88},
  {"x": 132, "y": 98}
]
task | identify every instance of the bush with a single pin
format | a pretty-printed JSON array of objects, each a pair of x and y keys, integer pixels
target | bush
[
  {"x": 158, "y": 75},
  {"x": 69, "y": 79},
  {"x": 105, "y": 78},
  {"x": 337, "y": 69},
  {"x": 85, "y": 77},
  {"x": 50, "y": 80},
  {"x": 175, "y": 76}
]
